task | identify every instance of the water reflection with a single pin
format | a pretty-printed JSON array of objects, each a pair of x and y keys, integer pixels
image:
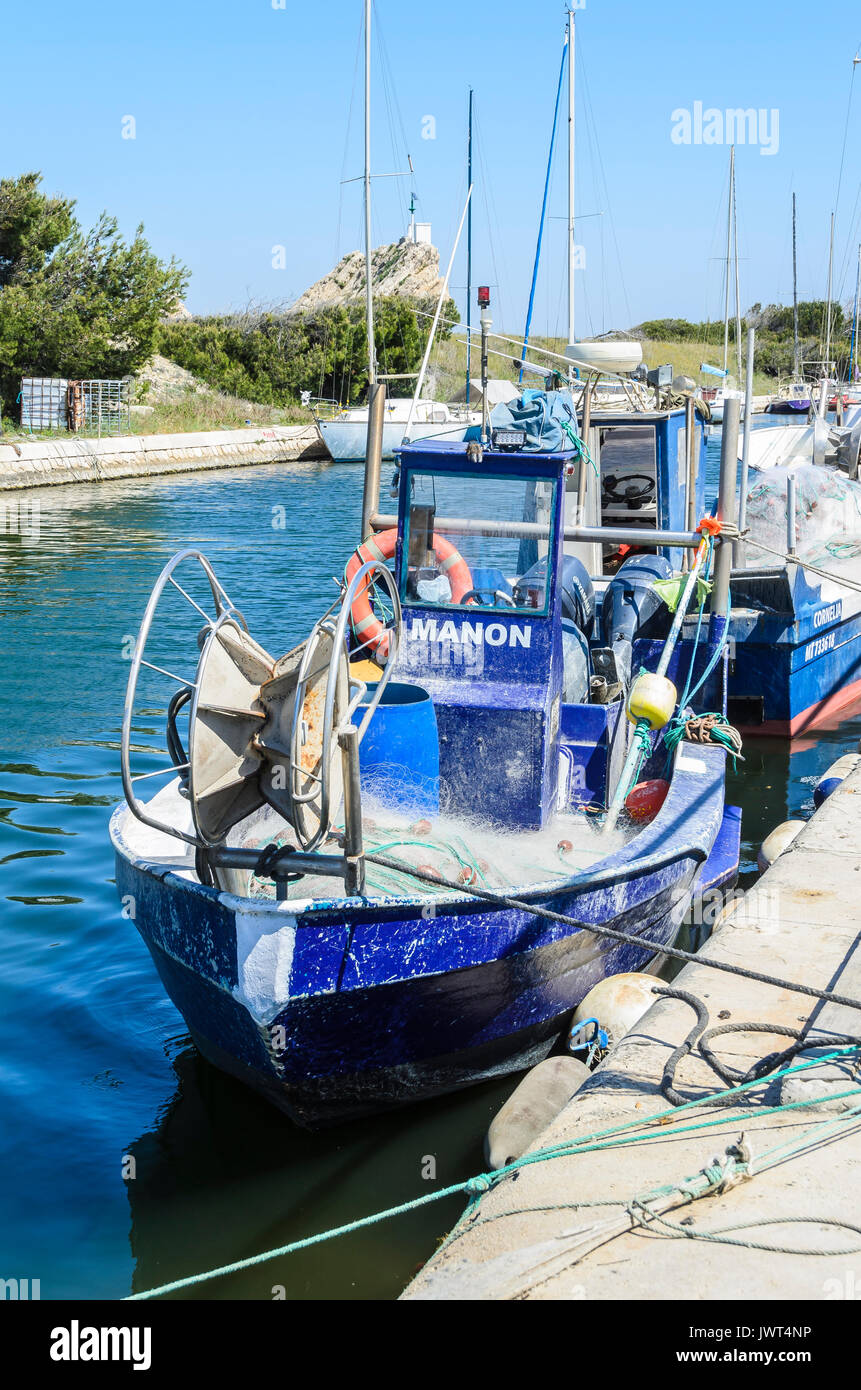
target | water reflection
[{"x": 223, "y": 1176}]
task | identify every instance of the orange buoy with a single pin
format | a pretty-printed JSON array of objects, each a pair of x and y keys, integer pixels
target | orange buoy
[{"x": 646, "y": 799}]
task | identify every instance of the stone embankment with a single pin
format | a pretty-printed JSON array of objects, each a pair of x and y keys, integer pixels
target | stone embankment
[{"x": 49, "y": 462}]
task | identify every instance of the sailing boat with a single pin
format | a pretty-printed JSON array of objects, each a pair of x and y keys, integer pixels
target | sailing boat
[
  {"x": 716, "y": 397},
  {"x": 850, "y": 394},
  {"x": 793, "y": 399},
  {"x": 345, "y": 435}
]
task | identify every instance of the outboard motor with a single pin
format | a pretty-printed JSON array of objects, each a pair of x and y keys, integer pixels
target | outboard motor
[{"x": 632, "y": 608}]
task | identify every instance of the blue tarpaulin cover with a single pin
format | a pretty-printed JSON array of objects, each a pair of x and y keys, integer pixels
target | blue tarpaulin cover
[{"x": 548, "y": 417}]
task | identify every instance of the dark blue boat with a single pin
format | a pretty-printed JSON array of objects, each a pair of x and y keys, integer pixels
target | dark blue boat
[
  {"x": 795, "y": 638},
  {"x": 796, "y": 651},
  {"x": 336, "y": 1001}
]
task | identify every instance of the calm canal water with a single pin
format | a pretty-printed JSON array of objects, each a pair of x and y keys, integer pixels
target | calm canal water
[{"x": 95, "y": 1064}]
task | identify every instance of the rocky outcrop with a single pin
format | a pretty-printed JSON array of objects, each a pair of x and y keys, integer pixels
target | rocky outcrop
[
  {"x": 178, "y": 314},
  {"x": 406, "y": 269},
  {"x": 165, "y": 381}
]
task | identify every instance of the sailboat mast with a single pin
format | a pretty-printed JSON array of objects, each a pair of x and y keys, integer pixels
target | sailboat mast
[
  {"x": 369, "y": 287},
  {"x": 728, "y": 258},
  {"x": 469, "y": 259},
  {"x": 571, "y": 170},
  {"x": 796, "y": 365},
  {"x": 853, "y": 351},
  {"x": 737, "y": 294},
  {"x": 828, "y": 299}
]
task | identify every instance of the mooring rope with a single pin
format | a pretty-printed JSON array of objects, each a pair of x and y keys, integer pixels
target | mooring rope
[
  {"x": 657, "y": 1126},
  {"x": 701, "y": 1036},
  {"x": 502, "y": 900}
]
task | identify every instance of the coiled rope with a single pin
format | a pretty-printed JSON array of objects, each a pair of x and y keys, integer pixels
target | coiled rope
[
  {"x": 700, "y": 1038},
  {"x": 704, "y": 728}
]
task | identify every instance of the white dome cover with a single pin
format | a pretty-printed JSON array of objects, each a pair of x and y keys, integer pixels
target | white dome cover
[{"x": 606, "y": 357}]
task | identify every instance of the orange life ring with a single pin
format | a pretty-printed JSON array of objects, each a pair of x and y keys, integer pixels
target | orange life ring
[{"x": 366, "y": 625}]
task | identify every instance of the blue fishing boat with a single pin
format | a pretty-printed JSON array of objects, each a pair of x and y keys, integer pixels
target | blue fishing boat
[
  {"x": 480, "y": 717},
  {"x": 794, "y": 634},
  {"x": 795, "y": 630}
]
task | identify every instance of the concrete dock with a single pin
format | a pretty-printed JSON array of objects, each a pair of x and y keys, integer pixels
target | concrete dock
[
  {"x": 533, "y": 1236},
  {"x": 49, "y": 462}
]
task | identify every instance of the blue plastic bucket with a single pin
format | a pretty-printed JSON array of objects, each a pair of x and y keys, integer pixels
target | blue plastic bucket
[{"x": 399, "y": 754}]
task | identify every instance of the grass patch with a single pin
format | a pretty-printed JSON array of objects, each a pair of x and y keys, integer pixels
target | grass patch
[
  {"x": 447, "y": 373},
  {"x": 188, "y": 413},
  {"x": 213, "y": 411}
]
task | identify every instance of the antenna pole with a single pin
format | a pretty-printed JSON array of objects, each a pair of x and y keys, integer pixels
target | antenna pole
[
  {"x": 728, "y": 258},
  {"x": 828, "y": 302},
  {"x": 796, "y": 365},
  {"x": 571, "y": 171},
  {"x": 737, "y": 295},
  {"x": 543, "y": 217},
  {"x": 853, "y": 351},
  {"x": 469, "y": 260},
  {"x": 369, "y": 288},
  {"x": 436, "y": 318}
]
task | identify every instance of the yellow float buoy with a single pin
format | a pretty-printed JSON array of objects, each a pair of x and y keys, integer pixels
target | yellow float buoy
[
  {"x": 652, "y": 698},
  {"x": 541, "y": 1095},
  {"x": 779, "y": 840}
]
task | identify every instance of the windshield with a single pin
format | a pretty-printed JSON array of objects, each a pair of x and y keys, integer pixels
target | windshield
[{"x": 451, "y": 559}]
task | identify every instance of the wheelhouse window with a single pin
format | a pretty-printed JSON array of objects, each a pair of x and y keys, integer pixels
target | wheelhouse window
[{"x": 477, "y": 540}]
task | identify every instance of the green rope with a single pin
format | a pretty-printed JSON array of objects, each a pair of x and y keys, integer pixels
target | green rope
[
  {"x": 716, "y": 1176},
  {"x": 723, "y": 733},
  {"x": 580, "y": 446},
  {"x": 475, "y": 1187},
  {"x": 642, "y": 736},
  {"x": 675, "y": 730}
]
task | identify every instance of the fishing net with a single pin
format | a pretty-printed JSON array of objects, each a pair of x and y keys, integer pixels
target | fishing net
[
  {"x": 827, "y": 519},
  {"x": 447, "y": 848}
]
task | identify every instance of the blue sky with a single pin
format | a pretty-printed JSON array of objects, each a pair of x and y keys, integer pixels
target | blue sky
[{"x": 243, "y": 132}]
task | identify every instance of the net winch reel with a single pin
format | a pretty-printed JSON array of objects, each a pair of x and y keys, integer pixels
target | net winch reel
[{"x": 263, "y": 733}]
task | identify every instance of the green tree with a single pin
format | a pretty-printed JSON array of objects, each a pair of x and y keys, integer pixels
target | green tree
[
  {"x": 272, "y": 358},
  {"x": 75, "y": 303},
  {"x": 32, "y": 225}
]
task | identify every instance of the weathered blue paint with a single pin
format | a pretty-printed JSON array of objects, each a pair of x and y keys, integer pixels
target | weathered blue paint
[
  {"x": 343, "y": 1007},
  {"x": 499, "y": 715},
  {"x": 389, "y": 1001},
  {"x": 721, "y": 867}
]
